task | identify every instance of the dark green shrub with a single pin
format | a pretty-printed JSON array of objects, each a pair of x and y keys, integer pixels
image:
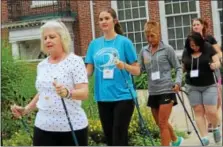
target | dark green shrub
[
  {"x": 17, "y": 86},
  {"x": 141, "y": 81},
  {"x": 19, "y": 138}
]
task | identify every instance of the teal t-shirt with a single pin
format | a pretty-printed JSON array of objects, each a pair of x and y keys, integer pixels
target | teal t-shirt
[{"x": 102, "y": 53}]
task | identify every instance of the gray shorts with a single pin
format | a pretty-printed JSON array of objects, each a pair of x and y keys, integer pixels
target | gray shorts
[{"x": 207, "y": 95}]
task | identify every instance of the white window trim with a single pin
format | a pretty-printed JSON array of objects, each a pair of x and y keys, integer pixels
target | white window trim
[
  {"x": 164, "y": 25},
  {"x": 115, "y": 7},
  {"x": 37, "y": 3},
  {"x": 216, "y": 21}
]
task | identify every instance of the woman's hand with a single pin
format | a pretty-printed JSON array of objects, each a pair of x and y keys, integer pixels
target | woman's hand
[
  {"x": 119, "y": 64},
  {"x": 213, "y": 66},
  {"x": 61, "y": 90},
  {"x": 176, "y": 88},
  {"x": 19, "y": 111}
]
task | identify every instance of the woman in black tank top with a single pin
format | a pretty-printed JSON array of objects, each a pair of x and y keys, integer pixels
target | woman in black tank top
[{"x": 199, "y": 25}]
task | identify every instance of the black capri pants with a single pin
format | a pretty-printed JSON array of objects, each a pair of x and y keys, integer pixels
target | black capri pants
[
  {"x": 115, "y": 119},
  {"x": 48, "y": 138}
]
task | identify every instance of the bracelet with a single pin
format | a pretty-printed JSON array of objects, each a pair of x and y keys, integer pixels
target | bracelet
[{"x": 69, "y": 94}]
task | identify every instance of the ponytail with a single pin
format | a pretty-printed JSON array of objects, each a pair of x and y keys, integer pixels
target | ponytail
[{"x": 118, "y": 29}]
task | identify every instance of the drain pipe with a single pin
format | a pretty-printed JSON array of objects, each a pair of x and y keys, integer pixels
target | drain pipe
[{"x": 92, "y": 19}]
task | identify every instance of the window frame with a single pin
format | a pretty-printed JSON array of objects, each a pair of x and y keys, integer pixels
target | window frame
[
  {"x": 115, "y": 7},
  {"x": 37, "y": 3},
  {"x": 163, "y": 21},
  {"x": 216, "y": 21}
]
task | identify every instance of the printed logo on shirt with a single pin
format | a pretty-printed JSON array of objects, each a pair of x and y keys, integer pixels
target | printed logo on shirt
[{"x": 105, "y": 58}]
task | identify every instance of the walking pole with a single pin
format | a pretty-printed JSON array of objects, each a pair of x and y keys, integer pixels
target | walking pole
[
  {"x": 188, "y": 128},
  {"x": 142, "y": 123},
  {"x": 192, "y": 112},
  {"x": 68, "y": 118},
  {"x": 190, "y": 119},
  {"x": 26, "y": 127}
]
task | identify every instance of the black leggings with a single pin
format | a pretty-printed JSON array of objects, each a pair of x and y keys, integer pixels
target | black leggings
[
  {"x": 115, "y": 118},
  {"x": 46, "y": 138}
]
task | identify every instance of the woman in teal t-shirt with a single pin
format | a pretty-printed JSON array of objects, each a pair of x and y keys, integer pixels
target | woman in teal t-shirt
[{"x": 115, "y": 101}]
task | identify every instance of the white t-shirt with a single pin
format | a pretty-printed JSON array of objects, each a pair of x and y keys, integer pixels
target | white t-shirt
[{"x": 51, "y": 115}]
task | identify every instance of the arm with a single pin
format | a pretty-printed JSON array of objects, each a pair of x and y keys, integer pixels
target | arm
[
  {"x": 80, "y": 91},
  {"x": 131, "y": 64},
  {"x": 80, "y": 79},
  {"x": 134, "y": 68},
  {"x": 172, "y": 57},
  {"x": 32, "y": 105},
  {"x": 19, "y": 111},
  {"x": 216, "y": 63},
  {"x": 218, "y": 50},
  {"x": 183, "y": 68},
  {"x": 141, "y": 61},
  {"x": 90, "y": 69}
]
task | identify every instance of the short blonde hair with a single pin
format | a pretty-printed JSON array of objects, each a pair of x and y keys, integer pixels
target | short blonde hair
[
  {"x": 151, "y": 27},
  {"x": 61, "y": 29}
]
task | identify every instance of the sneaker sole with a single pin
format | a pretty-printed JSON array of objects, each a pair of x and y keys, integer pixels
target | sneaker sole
[{"x": 182, "y": 140}]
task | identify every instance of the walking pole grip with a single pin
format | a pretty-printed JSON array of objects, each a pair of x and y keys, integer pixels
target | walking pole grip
[{"x": 68, "y": 118}]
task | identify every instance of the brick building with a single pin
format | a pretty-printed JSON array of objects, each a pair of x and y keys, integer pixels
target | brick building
[{"x": 21, "y": 21}]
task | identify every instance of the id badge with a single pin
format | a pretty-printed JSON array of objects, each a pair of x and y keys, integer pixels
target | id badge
[
  {"x": 155, "y": 75},
  {"x": 108, "y": 73},
  {"x": 194, "y": 73}
]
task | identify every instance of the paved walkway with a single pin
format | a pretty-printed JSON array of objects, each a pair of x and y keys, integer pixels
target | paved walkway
[{"x": 182, "y": 123}]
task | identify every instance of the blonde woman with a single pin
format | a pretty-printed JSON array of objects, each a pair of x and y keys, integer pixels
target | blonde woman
[
  {"x": 157, "y": 59},
  {"x": 51, "y": 124}
]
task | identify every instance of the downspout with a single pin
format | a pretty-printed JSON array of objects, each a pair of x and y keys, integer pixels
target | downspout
[{"x": 92, "y": 19}]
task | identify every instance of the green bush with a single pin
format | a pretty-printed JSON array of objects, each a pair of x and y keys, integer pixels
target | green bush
[
  {"x": 20, "y": 138},
  {"x": 90, "y": 105},
  {"x": 136, "y": 134},
  {"x": 18, "y": 86},
  {"x": 141, "y": 81},
  {"x": 173, "y": 74}
]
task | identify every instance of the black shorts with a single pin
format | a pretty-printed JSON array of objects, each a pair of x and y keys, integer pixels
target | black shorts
[{"x": 154, "y": 101}]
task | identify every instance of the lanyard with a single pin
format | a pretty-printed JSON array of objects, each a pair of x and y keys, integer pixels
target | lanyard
[
  {"x": 192, "y": 62},
  {"x": 112, "y": 43},
  {"x": 157, "y": 62}
]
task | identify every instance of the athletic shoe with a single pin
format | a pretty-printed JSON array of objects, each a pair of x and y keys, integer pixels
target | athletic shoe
[
  {"x": 205, "y": 141},
  {"x": 217, "y": 135},
  {"x": 178, "y": 142}
]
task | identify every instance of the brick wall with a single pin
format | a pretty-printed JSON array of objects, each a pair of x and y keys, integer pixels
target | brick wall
[
  {"x": 4, "y": 34},
  {"x": 83, "y": 31},
  {"x": 154, "y": 10},
  {"x": 4, "y": 13},
  {"x": 4, "y": 17},
  {"x": 98, "y": 6},
  {"x": 206, "y": 14},
  {"x": 82, "y": 26}
]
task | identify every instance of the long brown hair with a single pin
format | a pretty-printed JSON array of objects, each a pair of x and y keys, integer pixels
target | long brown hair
[
  {"x": 204, "y": 23},
  {"x": 118, "y": 28}
]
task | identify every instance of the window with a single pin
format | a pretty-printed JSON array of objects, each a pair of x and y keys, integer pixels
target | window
[
  {"x": 132, "y": 17},
  {"x": 217, "y": 10},
  {"x": 176, "y": 21},
  {"x": 38, "y": 3},
  {"x": 178, "y": 16},
  {"x": 30, "y": 50}
]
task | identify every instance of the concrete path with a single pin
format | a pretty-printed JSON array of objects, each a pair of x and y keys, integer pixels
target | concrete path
[{"x": 180, "y": 122}]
